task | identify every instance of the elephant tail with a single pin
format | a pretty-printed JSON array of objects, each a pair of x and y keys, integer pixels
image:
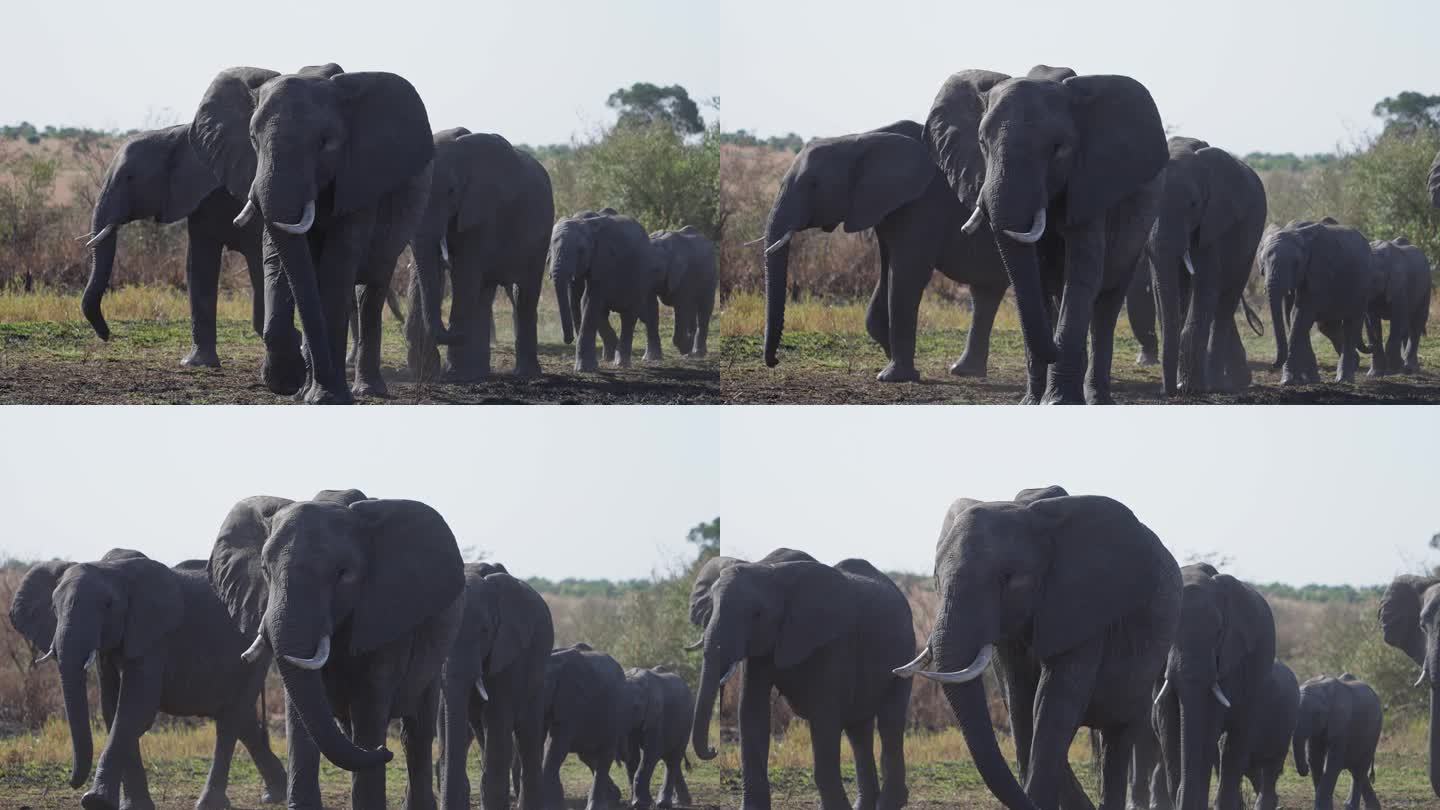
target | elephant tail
[{"x": 1253, "y": 320}]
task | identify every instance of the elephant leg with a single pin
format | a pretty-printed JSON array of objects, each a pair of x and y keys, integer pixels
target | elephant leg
[
  {"x": 593, "y": 316},
  {"x": 1300, "y": 360},
  {"x": 609, "y": 342},
  {"x": 1196, "y": 337},
  {"x": 1328, "y": 776},
  {"x": 455, "y": 742},
  {"x": 253, "y": 734},
  {"x": 604, "y": 793},
  {"x": 530, "y": 745},
  {"x": 650, "y": 316},
  {"x": 825, "y": 747},
  {"x": 1142, "y": 767},
  {"x": 975, "y": 360},
  {"x": 1353, "y": 803},
  {"x": 1367, "y": 790},
  {"x": 1117, "y": 749},
  {"x": 907, "y": 285},
  {"x": 555, "y": 752},
  {"x": 353, "y": 356},
  {"x": 890, "y": 722},
  {"x": 369, "y": 720},
  {"x": 1059, "y": 704},
  {"x": 1084, "y": 264},
  {"x": 255, "y": 266},
  {"x": 212, "y": 796},
  {"x": 418, "y": 737},
  {"x": 1349, "y": 353},
  {"x": 499, "y": 755},
  {"x": 1233, "y": 756},
  {"x": 369, "y": 382},
  {"x": 1102, "y": 346},
  {"x": 627, "y": 340},
  {"x": 202, "y": 281},
  {"x": 668, "y": 788},
  {"x": 703, "y": 315},
  {"x": 683, "y": 334},
  {"x": 1399, "y": 336},
  {"x": 132, "y": 781},
  {"x": 644, "y": 771},
  {"x": 1140, "y": 309},
  {"x": 303, "y": 790},
  {"x": 470, "y": 361},
  {"x": 755, "y": 738},
  {"x": 1228, "y": 371},
  {"x": 877, "y": 314},
  {"x": 527, "y": 343},
  {"x": 135, "y": 707},
  {"x": 867, "y": 780}
]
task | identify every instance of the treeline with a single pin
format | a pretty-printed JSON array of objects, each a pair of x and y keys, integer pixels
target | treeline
[{"x": 28, "y": 132}]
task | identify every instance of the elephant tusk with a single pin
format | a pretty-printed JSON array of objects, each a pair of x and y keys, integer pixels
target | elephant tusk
[
  {"x": 1036, "y": 231},
  {"x": 50, "y": 653},
  {"x": 253, "y": 651},
  {"x": 909, "y": 670},
  {"x": 754, "y": 242},
  {"x": 90, "y": 662},
  {"x": 322, "y": 654},
  {"x": 1164, "y": 690},
  {"x": 1189, "y": 265},
  {"x": 243, "y": 218},
  {"x": 1424, "y": 673},
  {"x": 480, "y": 685},
  {"x": 729, "y": 672},
  {"x": 779, "y": 243},
  {"x": 977, "y": 218},
  {"x": 101, "y": 236},
  {"x": 1219, "y": 694},
  {"x": 966, "y": 675},
  {"x": 695, "y": 645},
  {"x": 306, "y": 220},
  {"x": 444, "y": 249}
]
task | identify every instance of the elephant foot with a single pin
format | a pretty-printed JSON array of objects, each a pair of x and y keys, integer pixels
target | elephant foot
[
  {"x": 528, "y": 368},
  {"x": 1093, "y": 397},
  {"x": 283, "y": 377},
  {"x": 896, "y": 374},
  {"x": 1029, "y": 399},
  {"x": 320, "y": 395},
  {"x": 213, "y": 802},
  {"x": 865, "y": 803},
  {"x": 1058, "y": 396},
  {"x": 621, "y": 362},
  {"x": 1147, "y": 357},
  {"x": 370, "y": 389},
  {"x": 1412, "y": 368},
  {"x": 273, "y": 796},
  {"x": 1290, "y": 380},
  {"x": 965, "y": 367},
  {"x": 95, "y": 801},
  {"x": 201, "y": 358},
  {"x": 652, "y": 356},
  {"x": 466, "y": 377},
  {"x": 586, "y": 366},
  {"x": 696, "y": 353}
]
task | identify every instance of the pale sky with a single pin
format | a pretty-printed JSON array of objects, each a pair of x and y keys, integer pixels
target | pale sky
[
  {"x": 1272, "y": 75},
  {"x": 1330, "y": 495},
  {"x": 533, "y": 71},
  {"x": 548, "y": 491}
]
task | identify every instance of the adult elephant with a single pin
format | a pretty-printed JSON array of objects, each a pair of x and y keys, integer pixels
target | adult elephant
[
  {"x": 157, "y": 176},
  {"x": 1402, "y": 297},
  {"x": 1337, "y": 729},
  {"x": 884, "y": 179},
  {"x": 1214, "y": 685},
  {"x": 1212, "y": 215},
  {"x": 602, "y": 262},
  {"x": 360, "y": 600},
  {"x": 1410, "y": 621},
  {"x": 826, "y": 638},
  {"x": 337, "y": 167},
  {"x": 687, "y": 262},
  {"x": 656, "y": 728},
  {"x": 1316, "y": 272},
  {"x": 584, "y": 711},
  {"x": 1067, "y": 171},
  {"x": 488, "y": 217},
  {"x": 494, "y": 683},
  {"x": 163, "y": 643},
  {"x": 1079, "y": 602}
]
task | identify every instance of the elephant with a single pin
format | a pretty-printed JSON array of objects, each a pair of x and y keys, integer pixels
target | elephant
[
  {"x": 884, "y": 179},
  {"x": 494, "y": 682},
  {"x": 488, "y": 217},
  {"x": 826, "y": 638},
  {"x": 656, "y": 728},
  {"x": 1410, "y": 621},
  {"x": 1280, "y": 705},
  {"x": 163, "y": 643},
  {"x": 1337, "y": 729},
  {"x": 1214, "y": 684},
  {"x": 687, "y": 261},
  {"x": 702, "y": 606},
  {"x": 1316, "y": 272},
  {"x": 1079, "y": 602},
  {"x": 361, "y": 601},
  {"x": 602, "y": 262},
  {"x": 1089, "y": 153},
  {"x": 157, "y": 176},
  {"x": 337, "y": 167},
  {"x": 1403, "y": 299},
  {"x": 584, "y": 715},
  {"x": 1201, "y": 247}
]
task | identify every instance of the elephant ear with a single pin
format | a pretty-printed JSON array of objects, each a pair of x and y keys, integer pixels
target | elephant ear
[
  {"x": 1122, "y": 144},
  {"x": 220, "y": 133},
  {"x": 155, "y": 605},
  {"x": 818, "y": 609},
  {"x": 952, "y": 130},
  {"x": 414, "y": 569},
  {"x": 700, "y": 602},
  {"x": 234, "y": 567},
  {"x": 1099, "y": 575},
  {"x": 517, "y": 626},
  {"x": 1400, "y": 615},
  {"x": 1245, "y": 615},
  {"x": 783, "y": 554},
  {"x": 389, "y": 139},
  {"x": 190, "y": 179},
  {"x": 957, "y": 508},
  {"x": 890, "y": 171},
  {"x": 31, "y": 611}
]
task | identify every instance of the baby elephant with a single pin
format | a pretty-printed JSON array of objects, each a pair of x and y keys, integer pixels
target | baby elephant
[
  {"x": 583, "y": 690},
  {"x": 1337, "y": 730},
  {"x": 655, "y": 729},
  {"x": 687, "y": 259}
]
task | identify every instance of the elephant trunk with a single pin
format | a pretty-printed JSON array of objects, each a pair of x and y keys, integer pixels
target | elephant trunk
[
  {"x": 561, "y": 274},
  {"x": 294, "y": 252},
  {"x": 1435, "y": 735},
  {"x": 1167, "y": 247},
  {"x": 1023, "y": 266},
  {"x": 1194, "y": 702},
  {"x": 1279, "y": 322},
  {"x": 777, "y": 267},
  {"x": 104, "y": 226},
  {"x": 1302, "y": 765},
  {"x": 972, "y": 712},
  {"x": 711, "y": 671},
  {"x": 432, "y": 289},
  {"x": 305, "y": 690},
  {"x": 73, "y": 651}
]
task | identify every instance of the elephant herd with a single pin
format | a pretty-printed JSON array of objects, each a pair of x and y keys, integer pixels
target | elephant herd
[
  {"x": 369, "y": 614},
  {"x": 1086, "y": 620},
  {"x": 1065, "y": 188},
  {"x": 321, "y": 178}
]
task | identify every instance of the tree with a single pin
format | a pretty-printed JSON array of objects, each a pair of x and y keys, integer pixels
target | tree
[
  {"x": 643, "y": 103},
  {"x": 707, "y": 537},
  {"x": 1409, "y": 112}
]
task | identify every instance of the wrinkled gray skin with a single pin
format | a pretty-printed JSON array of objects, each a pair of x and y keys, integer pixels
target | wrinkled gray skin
[
  {"x": 602, "y": 262},
  {"x": 655, "y": 729},
  {"x": 1212, "y": 212},
  {"x": 827, "y": 639},
  {"x": 584, "y": 715},
  {"x": 1316, "y": 272},
  {"x": 884, "y": 179},
  {"x": 337, "y": 166},
  {"x": 163, "y": 643},
  {"x": 157, "y": 176},
  {"x": 1071, "y": 588},
  {"x": 504, "y": 643},
  {"x": 1403, "y": 298},
  {"x": 377, "y": 583},
  {"x": 1225, "y": 639},
  {"x": 687, "y": 262},
  {"x": 1337, "y": 729},
  {"x": 1088, "y": 153},
  {"x": 490, "y": 210},
  {"x": 1410, "y": 620}
]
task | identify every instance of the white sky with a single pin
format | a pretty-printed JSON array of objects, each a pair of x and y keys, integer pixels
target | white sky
[
  {"x": 1330, "y": 495},
  {"x": 534, "y": 71},
  {"x": 549, "y": 491},
  {"x": 1273, "y": 75}
]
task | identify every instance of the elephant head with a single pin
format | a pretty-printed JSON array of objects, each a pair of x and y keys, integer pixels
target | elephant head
[
  {"x": 782, "y": 611},
  {"x": 1326, "y": 705},
  {"x": 506, "y": 626},
  {"x": 701, "y": 605},
  {"x": 1433, "y": 183},
  {"x": 31, "y": 613},
  {"x": 1016, "y": 149},
  {"x": 851, "y": 180},
  {"x": 155, "y": 175},
  {"x": 360, "y": 572},
  {"x": 1410, "y": 621}
]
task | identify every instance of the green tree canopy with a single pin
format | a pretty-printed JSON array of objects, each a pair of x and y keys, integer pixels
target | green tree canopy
[
  {"x": 642, "y": 104},
  {"x": 706, "y": 536},
  {"x": 1409, "y": 111}
]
